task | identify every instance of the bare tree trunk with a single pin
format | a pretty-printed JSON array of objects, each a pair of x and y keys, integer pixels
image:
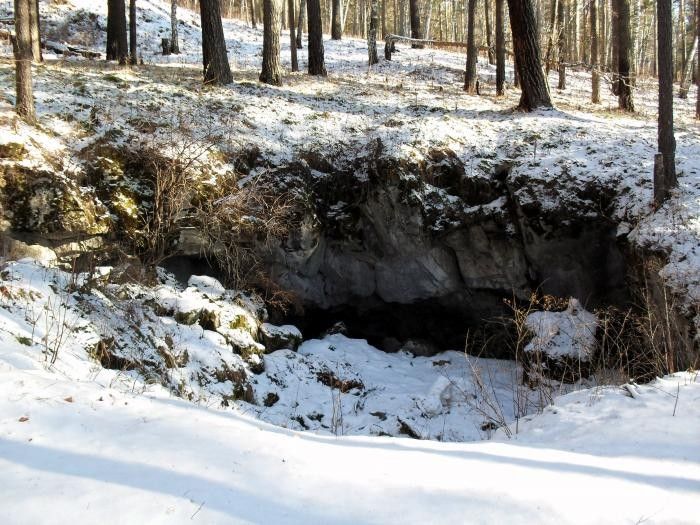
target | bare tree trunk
[
  {"x": 22, "y": 47},
  {"x": 615, "y": 45},
  {"x": 253, "y": 21},
  {"x": 550, "y": 39},
  {"x": 383, "y": 17},
  {"x": 174, "y": 44},
  {"x": 416, "y": 31},
  {"x": 292, "y": 35},
  {"x": 500, "y": 50},
  {"x": 665, "y": 175},
  {"x": 428, "y": 20},
  {"x": 685, "y": 78},
  {"x": 526, "y": 47},
  {"x": 300, "y": 22},
  {"x": 117, "y": 48},
  {"x": 372, "y": 34},
  {"x": 470, "y": 83},
  {"x": 624, "y": 47},
  {"x": 697, "y": 72},
  {"x": 489, "y": 43},
  {"x": 595, "y": 74},
  {"x": 561, "y": 44},
  {"x": 34, "y": 27},
  {"x": 215, "y": 59},
  {"x": 336, "y": 31},
  {"x": 271, "y": 69},
  {"x": 317, "y": 64},
  {"x": 133, "y": 53}
]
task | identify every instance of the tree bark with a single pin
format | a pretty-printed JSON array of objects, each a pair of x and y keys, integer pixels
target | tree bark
[
  {"x": 133, "y": 53},
  {"x": 624, "y": 48},
  {"x": 300, "y": 22},
  {"x": 253, "y": 21},
  {"x": 174, "y": 44},
  {"x": 667, "y": 142},
  {"x": 534, "y": 90},
  {"x": 615, "y": 45},
  {"x": 372, "y": 34},
  {"x": 336, "y": 30},
  {"x": 292, "y": 35},
  {"x": 561, "y": 44},
  {"x": 489, "y": 43},
  {"x": 22, "y": 47},
  {"x": 416, "y": 31},
  {"x": 500, "y": 50},
  {"x": 271, "y": 69},
  {"x": 214, "y": 57},
  {"x": 687, "y": 70},
  {"x": 550, "y": 38},
  {"x": 317, "y": 65},
  {"x": 595, "y": 73},
  {"x": 35, "y": 29},
  {"x": 117, "y": 48},
  {"x": 697, "y": 72},
  {"x": 470, "y": 69}
]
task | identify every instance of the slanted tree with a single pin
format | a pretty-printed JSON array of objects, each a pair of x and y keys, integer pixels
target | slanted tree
[
  {"x": 665, "y": 160},
  {"x": 22, "y": 47},
  {"x": 35, "y": 29},
  {"x": 687, "y": 70},
  {"x": 470, "y": 82},
  {"x": 174, "y": 44},
  {"x": 595, "y": 73},
  {"x": 500, "y": 50},
  {"x": 534, "y": 89},
  {"x": 214, "y": 57},
  {"x": 336, "y": 28},
  {"x": 372, "y": 33},
  {"x": 300, "y": 22},
  {"x": 416, "y": 32},
  {"x": 624, "y": 50},
  {"x": 292, "y": 36},
  {"x": 117, "y": 48},
  {"x": 317, "y": 65},
  {"x": 133, "y": 52},
  {"x": 271, "y": 69}
]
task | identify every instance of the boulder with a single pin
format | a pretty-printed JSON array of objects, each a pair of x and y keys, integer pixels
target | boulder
[{"x": 279, "y": 337}]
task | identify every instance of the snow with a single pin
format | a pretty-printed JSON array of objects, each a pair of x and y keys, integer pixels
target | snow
[{"x": 570, "y": 333}]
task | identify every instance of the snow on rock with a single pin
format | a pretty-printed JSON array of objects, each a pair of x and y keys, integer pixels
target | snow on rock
[{"x": 279, "y": 337}]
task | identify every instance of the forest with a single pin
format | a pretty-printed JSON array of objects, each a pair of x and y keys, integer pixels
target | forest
[{"x": 349, "y": 261}]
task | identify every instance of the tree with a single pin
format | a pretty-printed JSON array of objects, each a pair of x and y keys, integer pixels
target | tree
[
  {"x": 22, "y": 47},
  {"x": 292, "y": 36},
  {"x": 214, "y": 57},
  {"x": 336, "y": 29},
  {"x": 550, "y": 39},
  {"x": 35, "y": 30},
  {"x": 470, "y": 82},
  {"x": 300, "y": 22},
  {"x": 372, "y": 33},
  {"x": 271, "y": 70},
  {"x": 595, "y": 73},
  {"x": 487, "y": 18},
  {"x": 685, "y": 77},
  {"x": 665, "y": 160},
  {"x": 251, "y": 8},
  {"x": 317, "y": 65},
  {"x": 174, "y": 44},
  {"x": 697, "y": 72},
  {"x": 534, "y": 90},
  {"x": 624, "y": 49},
  {"x": 500, "y": 50},
  {"x": 133, "y": 58},
  {"x": 116, "y": 31},
  {"x": 416, "y": 31},
  {"x": 561, "y": 44}
]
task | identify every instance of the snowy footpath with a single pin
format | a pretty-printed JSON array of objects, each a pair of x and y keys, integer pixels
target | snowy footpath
[{"x": 80, "y": 452}]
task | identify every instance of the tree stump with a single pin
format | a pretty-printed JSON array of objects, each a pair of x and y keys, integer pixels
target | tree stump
[{"x": 165, "y": 44}]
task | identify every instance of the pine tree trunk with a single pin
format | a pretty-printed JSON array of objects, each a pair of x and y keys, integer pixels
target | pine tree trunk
[
  {"x": 133, "y": 53},
  {"x": 687, "y": 71},
  {"x": 500, "y": 50},
  {"x": 34, "y": 28},
  {"x": 615, "y": 45},
  {"x": 595, "y": 74},
  {"x": 697, "y": 72},
  {"x": 667, "y": 142},
  {"x": 552, "y": 35},
  {"x": 215, "y": 59},
  {"x": 372, "y": 34},
  {"x": 428, "y": 20},
  {"x": 624, "y": 48},
  {"x": 117, "y": 48},
  {"x": 470, "y": 70},
  {"x": 253, "y": 21},
  {"x": 416, "y": 32},
  {"x": 561, "y": 44},
  {"x": 526, "y": 47},
  {"x": 336, "y": 31},
  {"x": 317, "y": 64},
  {"x": 292, "y": 35},
  {"x": 174, "y": 44},
  {"x": 22, "y": 47},
  {"x": 300, "y": 22},
  {"x": 383, "y": 17},
  {"x": 271, "y": 69},
  {"x": 487, "y": 19}
]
